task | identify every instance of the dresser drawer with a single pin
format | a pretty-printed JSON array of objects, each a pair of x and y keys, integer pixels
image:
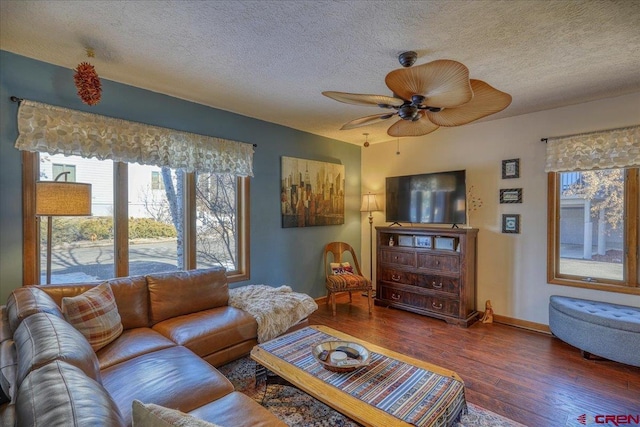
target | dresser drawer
[
  {"x": 397, "y": 276},
  {"x": 401, "y": 258},
  {"x": 438, "y": 283},
  {"x": 431, "y": 303},
  {"x": 449, "y": 263}
]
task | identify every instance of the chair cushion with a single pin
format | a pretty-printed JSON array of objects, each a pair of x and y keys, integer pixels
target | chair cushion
[
  {"x": 150, "y": 415},
  {"x": 347, "y": 282}
]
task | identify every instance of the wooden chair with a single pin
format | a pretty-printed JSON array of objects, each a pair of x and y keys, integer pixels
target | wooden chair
[{"x": 343, "y": 282}]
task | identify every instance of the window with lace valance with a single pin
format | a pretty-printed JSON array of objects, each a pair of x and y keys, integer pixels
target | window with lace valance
[
  {"x": 55, "y": 130},
  {"x": 593, "y": 205},
  {"x": 161, "y": 198}
]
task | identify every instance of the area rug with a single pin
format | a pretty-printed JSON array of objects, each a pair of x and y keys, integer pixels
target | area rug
[{"x": 296, "y": 408}]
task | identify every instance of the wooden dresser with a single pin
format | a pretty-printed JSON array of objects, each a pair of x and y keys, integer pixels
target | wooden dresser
[{"x": 428, "y": 270}]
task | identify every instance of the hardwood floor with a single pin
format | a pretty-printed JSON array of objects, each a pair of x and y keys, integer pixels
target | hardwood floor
[{"x": 529, "y": 377}]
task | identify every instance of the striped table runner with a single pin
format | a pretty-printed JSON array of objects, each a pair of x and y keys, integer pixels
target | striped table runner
[{"x": 414, "y": 395}]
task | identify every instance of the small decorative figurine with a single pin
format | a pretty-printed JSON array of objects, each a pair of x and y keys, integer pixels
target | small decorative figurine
[{"x": 488, "y": 313}]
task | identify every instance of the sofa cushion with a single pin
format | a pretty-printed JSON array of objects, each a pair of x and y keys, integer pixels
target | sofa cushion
[
  {"x": 8, "y": 414},
  {"x": 224, "y": 411},
  {"x": 43, "y": 338},
  {"x": 173, "y": 377},
  {"x": 27, "y": 300},
  {"x": 5, "y": 330},
  {"x": 131, "y": 293},
  {"x": 61, "y": 395},
  {"x": 95, "y": 315},
  {"x": 132, "y": 343},
  {"x": 150, "y": 415},
  {"x": 182, "y": 292},
  {"x": 8, "y": 368},
  {"x": 209, "y": 331}
]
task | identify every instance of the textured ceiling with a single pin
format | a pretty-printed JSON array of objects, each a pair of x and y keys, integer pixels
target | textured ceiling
[{"x": 272, "y": 59}]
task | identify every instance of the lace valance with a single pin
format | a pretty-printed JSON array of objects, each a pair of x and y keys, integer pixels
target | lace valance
[
  {"x": 55, "y": 130},
  {"x": 615, "y": 148}
]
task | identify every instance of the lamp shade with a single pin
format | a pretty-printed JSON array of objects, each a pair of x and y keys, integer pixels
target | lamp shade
[
  {"x": 369, "y": 203},
  {"x": 55, "y": 198}
]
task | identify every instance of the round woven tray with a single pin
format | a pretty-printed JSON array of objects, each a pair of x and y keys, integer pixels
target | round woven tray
[{"x": 330, "y": 346}]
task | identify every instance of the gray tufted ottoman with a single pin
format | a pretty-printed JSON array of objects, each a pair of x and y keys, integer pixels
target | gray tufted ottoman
[{"x": 607, "y": 330}]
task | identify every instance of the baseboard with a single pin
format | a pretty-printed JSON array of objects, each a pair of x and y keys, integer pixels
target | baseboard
[
  {"x": 320, "y": 300},
  {"x": 524, "y": 324},
  {"x": 504, "y": 320}
]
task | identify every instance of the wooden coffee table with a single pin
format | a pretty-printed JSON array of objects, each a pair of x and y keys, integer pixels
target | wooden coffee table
[{"x": 354, "y": 408}]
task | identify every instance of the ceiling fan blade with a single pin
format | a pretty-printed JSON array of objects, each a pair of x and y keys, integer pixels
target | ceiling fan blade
[
  {"x": 365, "y": 121},
  {"x": 486, "y": 101},
  {"x": 362, "y": 99},
  {"x": 444, "y": 83},
  {"x": 420, "y": 127}
]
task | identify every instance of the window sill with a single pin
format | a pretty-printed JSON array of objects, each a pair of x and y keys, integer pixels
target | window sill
[{"x": 623, "y": 289}]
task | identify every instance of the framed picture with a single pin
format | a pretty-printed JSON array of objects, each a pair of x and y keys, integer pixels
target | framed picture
[
  {"x": 311, "y": 193},
  {"x": 511, "y": 223},
  {"x": 511, "y": 195},
  {"x": 511, "y": 168}
]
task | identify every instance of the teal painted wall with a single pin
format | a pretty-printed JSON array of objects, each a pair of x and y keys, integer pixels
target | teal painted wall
[{"x": 291, "y": 256}]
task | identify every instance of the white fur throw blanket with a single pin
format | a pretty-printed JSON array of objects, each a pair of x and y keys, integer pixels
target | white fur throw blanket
[{"x": 275, "y": 309}]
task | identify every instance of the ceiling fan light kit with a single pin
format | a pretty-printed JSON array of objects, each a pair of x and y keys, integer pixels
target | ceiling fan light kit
[{"x": 427, "y": 96}]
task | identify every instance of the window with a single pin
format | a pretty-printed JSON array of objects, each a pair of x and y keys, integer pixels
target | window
[
  {"x": 217, "y": 224},
  {"x": 156, "y": 181},
  {"x": 152, "y": 206},
  {"x": 150, "y": 230},
  {"x": 593, "y": 229},
  {"x": 156, "y": 219},
  {"x": 70, "y": 170}
]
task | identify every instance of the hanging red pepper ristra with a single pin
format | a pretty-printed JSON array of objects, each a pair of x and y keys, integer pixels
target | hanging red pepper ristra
[{"x": 88, "y": 82}]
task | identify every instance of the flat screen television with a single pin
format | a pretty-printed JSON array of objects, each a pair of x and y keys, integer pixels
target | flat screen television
[{"x": 431, "y": 198}]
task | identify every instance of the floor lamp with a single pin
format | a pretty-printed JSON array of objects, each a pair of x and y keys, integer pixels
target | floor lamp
[
  {"x": 370, "y": 204},
  {"x": 61, "y": 198}
]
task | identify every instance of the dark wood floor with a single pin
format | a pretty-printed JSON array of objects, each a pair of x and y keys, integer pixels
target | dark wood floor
[{"x": 529, "y": 377}]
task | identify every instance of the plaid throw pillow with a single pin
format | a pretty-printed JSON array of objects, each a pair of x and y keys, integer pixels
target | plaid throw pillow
[{"x": 95, "y": 314}]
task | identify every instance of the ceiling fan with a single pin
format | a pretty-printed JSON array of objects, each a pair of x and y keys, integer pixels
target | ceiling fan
[{"x": 427, "y": 96}]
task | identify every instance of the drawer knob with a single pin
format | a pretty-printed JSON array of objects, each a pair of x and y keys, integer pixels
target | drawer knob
[
  {"x": 395, "y": 296},
  {"x": 395, "y": 277},
  {"x": 436, "y": 306},
  {"x": 438, "y": 286},
  {"x": 395, "y": 258}
]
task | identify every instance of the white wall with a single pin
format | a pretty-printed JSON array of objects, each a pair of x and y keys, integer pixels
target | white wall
[{"x": 512, "y": 267}]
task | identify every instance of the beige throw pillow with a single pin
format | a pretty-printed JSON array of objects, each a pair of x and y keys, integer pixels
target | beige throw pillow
[
  {"x": 95, "y": 314},
  {"x": 150, "y": 415}
]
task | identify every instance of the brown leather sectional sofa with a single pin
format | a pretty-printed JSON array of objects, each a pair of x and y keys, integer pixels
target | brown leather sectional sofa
[{"x": 177, "y": 327}]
